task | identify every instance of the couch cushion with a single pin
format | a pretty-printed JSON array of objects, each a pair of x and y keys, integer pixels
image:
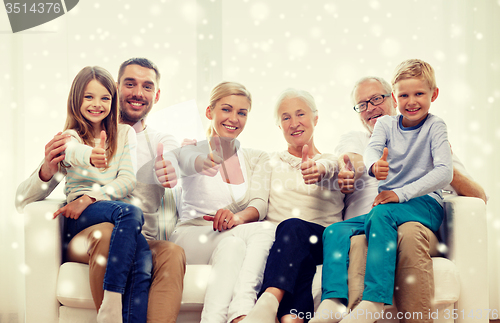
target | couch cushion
[
  {"x": 446, "y": 281},
  {"x": 195, "y": 284},
  {"x": 77, "y": 315},
  {"x": 73, "y": 288}
]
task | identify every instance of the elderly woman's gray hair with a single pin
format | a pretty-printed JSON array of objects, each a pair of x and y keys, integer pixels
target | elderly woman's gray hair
[{"x": 291, "y": 93}]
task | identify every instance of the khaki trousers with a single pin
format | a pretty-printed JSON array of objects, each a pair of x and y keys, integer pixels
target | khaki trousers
[
  {"x": 91, "y": 246},
  {"x": 414, "y": 281}
]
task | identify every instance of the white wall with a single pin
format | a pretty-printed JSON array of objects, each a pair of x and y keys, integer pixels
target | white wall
[{"x": 320, "y": 46}]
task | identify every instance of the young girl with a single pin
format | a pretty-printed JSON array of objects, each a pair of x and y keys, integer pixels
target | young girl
[{"x": 100, "y": 165}]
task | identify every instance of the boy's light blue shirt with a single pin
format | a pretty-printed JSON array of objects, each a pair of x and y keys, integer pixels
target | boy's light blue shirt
[{"x": 419, "y": 158}]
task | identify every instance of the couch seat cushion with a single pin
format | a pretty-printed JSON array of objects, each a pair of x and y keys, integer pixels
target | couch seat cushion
[
  {"x": 73, "y": 288},
  {"x": 446, "y": 281}
]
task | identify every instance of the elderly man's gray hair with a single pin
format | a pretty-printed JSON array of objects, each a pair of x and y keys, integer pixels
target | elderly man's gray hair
[{"x": 385, "y": 85}]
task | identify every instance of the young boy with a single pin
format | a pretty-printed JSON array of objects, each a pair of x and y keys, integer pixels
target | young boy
[{"x": 416, "y": 163}]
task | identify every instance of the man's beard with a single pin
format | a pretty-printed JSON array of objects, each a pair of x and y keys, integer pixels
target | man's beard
[
  {"x": 127, "y": 117},
  {"x": 124, "y": 116}
]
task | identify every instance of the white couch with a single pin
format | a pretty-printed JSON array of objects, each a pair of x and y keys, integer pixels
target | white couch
[{"x": 58, "y": 292}]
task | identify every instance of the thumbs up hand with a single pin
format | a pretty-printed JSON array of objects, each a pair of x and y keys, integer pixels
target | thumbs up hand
[
  {"x": 164, "y": 170},
  {"x": 209, "y": 164},
  {"x": 98, "y": 156},
  {"x": 381, "y": 167},
  {"x": 346, "y": 176},
  {"x": 311, "y": 172},
  {"x": 305, "y": 151}
]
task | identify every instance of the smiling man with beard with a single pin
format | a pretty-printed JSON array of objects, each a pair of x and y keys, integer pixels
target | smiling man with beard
[{"x": 138, "y": 93}]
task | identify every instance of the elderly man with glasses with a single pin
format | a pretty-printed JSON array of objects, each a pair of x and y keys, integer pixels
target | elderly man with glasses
[{"x": 414, "y": 282}]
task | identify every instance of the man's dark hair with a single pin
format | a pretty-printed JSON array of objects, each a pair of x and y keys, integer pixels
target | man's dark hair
[{"x": 141, "y": 61}]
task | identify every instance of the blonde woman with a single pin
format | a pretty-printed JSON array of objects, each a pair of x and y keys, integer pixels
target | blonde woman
[{"x": 222, "y": 203}]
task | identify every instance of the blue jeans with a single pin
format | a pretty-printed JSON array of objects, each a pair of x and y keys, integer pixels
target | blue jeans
[
  {"x": 381, "y": 229},
  {"x": 129, "y": 266},
  {"x": 291, "y": 264}
]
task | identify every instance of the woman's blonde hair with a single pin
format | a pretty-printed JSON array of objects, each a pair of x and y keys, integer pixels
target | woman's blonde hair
[
  {"x": 224, "y": 89},
  {"x": 76, "y": 121}
]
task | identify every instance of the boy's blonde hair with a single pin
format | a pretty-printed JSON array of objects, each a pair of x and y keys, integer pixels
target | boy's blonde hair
[{"x": 415, "y": 68}]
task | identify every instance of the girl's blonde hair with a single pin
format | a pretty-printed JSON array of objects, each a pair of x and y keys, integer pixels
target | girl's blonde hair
[
  {"x": 224, "y": 89},
  {"x": 75, "y": 119}
]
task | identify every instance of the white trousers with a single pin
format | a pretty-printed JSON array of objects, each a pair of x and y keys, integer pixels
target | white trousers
[{"x": 238, "y": 257}]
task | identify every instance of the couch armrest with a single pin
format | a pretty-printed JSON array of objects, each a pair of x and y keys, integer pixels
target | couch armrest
[
  {"x": 468, "y": 249},
  {"x": 43, "y": 255}
]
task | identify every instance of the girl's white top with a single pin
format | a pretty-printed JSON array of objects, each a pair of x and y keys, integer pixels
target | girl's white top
[{"x": 113, "y": 183}]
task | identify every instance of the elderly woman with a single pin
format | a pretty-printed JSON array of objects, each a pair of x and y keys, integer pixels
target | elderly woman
[
  {"x": 222, "y": 203},
  {"x": 303, "y": 200}
]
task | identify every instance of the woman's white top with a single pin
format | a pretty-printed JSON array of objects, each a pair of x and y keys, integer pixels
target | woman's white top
[{"x": 204, "y": 195}]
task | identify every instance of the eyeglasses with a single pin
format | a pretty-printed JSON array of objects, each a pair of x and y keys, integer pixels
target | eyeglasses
[{"x": 376, "y": 100}]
